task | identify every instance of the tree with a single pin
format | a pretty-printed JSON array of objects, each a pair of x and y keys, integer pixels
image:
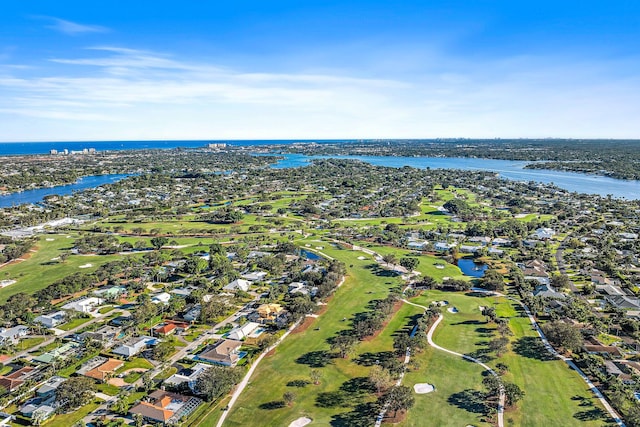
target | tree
[
  {"x": 410, "y": 263},
  {"x": 489, "y": 313},
  {"x": 499, "y": 345},
  {"x": 493, "y": 280},
  {"x": 493, "y": 384},
  {"x": 289, "y": 397},
  {"x": 159, "y": 242},
  {"x": 390, "y": 259},
  {"x": 315, "y": 376},
  {"x": 147, "y": 381},
  {"x": 162, "y": 351},
  {"x": 513, "y": 393},
  {"x": 399, "y": 399},
  {"x": 380, "y": 378},
  {"x": 216, "y": 381},
  {"x": 563, "y": 335},
  {"x": 138, "y": 420},
  {"x": 344, "y": 344},
  {"x": 74, "y": 392}
]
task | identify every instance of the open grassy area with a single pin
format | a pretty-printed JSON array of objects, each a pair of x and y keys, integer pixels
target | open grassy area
[
  {"x": 66, "y": 420},
  {"x": 27, "y": 343},
  {"x": 554, "y": 394},
  {"x": 41, "y": 268},
  {"x": 74, "y": 323},
  {"x": 295, "y": 357}
]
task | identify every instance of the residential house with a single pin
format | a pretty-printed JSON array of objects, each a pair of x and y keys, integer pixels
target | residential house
[
  {"x": 105, "y": 335},
  {"x": 544, "y": 233},
  {"x": 161, "y": 298},
  {"x": 15, "y": 379},
  {"x": 238, "y": 284},
  {"x": 193, "y": 313},
  {"x": 13, "y": 335},
  {"x": 133, "y": 346},
  {"x": 255, "y": 276},
  {"x": 242, "y": 332},
  {"x": 603, "y": 350},
  {"x": 84, "y": 305},
  {"x": 269, "y": 314},
  {"x": 165, "y": 407},
  {"x": 52, "y": 320},
  {"x": 100, "y": 368},
  {"x": 224, "y": 352},
  {"x": 49, "y": 387},
  {"x": 59, "y": 353},
  {"x": 623, "y": 302},
  {"x": 188, "y": 376},
  {"x": 164, "y": 329},
  {"x": 547, "y": 291}
]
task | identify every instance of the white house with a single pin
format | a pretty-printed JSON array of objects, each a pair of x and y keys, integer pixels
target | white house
[
  {"x": 241, "y": 332},
  {"x": 163, "y": 298},
  {"x": 544, "y": 233},
  {"x": 84, "y": 305},
  {"x": 255, "y": 276},
  {"x": 14, "y": 334},
  {"x": 189, "y": 376},
  {"x": 442, "y": 246},
  {"x": 238, "y": 284},
  {"x": 134, "y": 346},
  {"x": 52, "y": 320}
]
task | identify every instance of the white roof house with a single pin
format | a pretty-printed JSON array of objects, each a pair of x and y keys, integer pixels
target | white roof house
[
  {"x": 13, "y": 334},
  {"x": 544, "y": 233},
  {"x": 240, "y": 284},
  {"x": 255, "y": 276},
  {"x": 52, "y": 320},
  {"x": 134, "y": 346},
  {"x": 163, "y": 298},
  {"x": 189, "y": 376},
  {"x": 241, "y": 332},
  {"x": 84, "y": 305}
]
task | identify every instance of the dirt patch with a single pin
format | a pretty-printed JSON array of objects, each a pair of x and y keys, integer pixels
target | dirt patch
[
  {"x": 304, "y": 325},
  {"x": 391, "y": 418}
]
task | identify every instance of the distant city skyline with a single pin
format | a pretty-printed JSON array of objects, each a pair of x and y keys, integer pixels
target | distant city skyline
[{"x": 163, "y": 70}]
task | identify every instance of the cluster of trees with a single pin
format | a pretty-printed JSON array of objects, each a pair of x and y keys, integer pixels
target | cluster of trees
[
  {"x": 13, "y": 249},
  {"x": 225, "y": 215}
]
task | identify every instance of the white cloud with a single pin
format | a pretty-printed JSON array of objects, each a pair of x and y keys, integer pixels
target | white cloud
[
  {"x": 72, "y": 28},
  {"x": 117, "y": 93}
]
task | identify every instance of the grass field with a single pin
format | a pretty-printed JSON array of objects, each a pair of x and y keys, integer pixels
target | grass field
[
  {"x": 294, "y": 358},
  {"x": 41, "y": 269},
  {"x": 555, "y": 395}
]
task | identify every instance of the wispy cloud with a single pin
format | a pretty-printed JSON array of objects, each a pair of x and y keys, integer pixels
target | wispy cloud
[
  {"x": 152, "y": 95},
  {"x": 71, "y": 28}
]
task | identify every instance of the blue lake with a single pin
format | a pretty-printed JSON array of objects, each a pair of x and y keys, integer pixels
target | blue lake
[
  {"x": 36, "y": 196},
  {"x": 513, "y": 170},
  {"x": 471, "y": 268},
  {"x": 309, "y": 255}
]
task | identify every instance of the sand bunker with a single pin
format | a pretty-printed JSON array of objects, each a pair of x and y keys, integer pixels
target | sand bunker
[
  {"x": 452, "y": 310},
  {"x": 361, "y": 258},
  {"x": 85, "y": 265},
  {"x": 439, "y": 266},
  {"x": 7, "y": 282},
  {"x": 300, "y": 422},
  {"x": 49, "y": 240},
  {"x": 423, "y": 388}
]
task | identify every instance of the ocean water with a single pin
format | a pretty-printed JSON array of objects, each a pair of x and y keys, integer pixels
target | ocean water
[{"x": 20, "y": 148}]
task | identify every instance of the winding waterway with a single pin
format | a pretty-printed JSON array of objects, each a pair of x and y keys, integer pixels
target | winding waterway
[
  {"x": 513, "y": 170},
  {"x": 36, "y": 196}
]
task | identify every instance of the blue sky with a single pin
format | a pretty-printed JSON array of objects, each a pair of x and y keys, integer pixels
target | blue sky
[{"x": 72, "y": 70}]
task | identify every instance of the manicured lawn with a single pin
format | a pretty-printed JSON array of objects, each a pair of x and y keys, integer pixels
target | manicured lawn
[
  {"x": 166, "y": 373},
  {"x": 29, "y": 342},
  {"x": 295, "y": 356},
  {"x": 40, "y": 269},
  {"x": 74, "y": 323},
  {"x": 66, "y": 420},
  {"x": 109, "y": 389},
  {"x": 553, "y": 391},
  {"x": 137, "y": 362}
]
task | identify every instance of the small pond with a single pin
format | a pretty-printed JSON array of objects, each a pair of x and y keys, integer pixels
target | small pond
[
  {"x": 309, "y": 255},
  {"x": 472, "y": 268}
]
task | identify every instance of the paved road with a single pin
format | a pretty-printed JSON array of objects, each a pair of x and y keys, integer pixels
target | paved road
[
  {"x": 562, "y": 266},
  {"x": 502, "y": 396}
]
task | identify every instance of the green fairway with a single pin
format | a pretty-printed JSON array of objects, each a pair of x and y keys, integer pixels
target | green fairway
[
  {"x": 41, "y": 268},
  {"x": 293, "y": 360},
  {"x": 555, "y": 395}
]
